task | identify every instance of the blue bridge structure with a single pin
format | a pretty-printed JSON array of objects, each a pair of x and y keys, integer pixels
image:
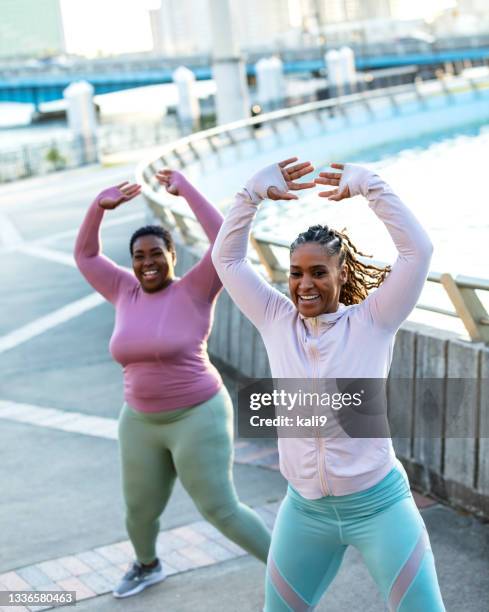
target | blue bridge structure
[{"x": 48, "y": 85}]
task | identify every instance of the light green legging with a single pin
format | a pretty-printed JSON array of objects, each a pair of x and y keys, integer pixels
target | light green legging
[{"x": 195, "y": 444}]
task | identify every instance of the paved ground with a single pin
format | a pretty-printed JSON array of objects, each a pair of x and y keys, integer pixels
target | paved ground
[{"x": 61, "y": 523}]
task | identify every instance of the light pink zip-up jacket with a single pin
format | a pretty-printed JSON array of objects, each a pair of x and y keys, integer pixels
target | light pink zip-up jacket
[{"x": 353, "y": 342}]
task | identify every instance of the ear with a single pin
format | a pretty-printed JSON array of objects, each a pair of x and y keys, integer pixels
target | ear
[
  {"x": 343, "y": 277},
  {"x": 174, "y": 258}
]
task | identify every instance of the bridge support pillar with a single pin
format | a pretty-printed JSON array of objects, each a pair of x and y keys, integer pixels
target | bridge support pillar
[
  {"x": 81, "y": 119},
  {"x": 228, "y": 68}
]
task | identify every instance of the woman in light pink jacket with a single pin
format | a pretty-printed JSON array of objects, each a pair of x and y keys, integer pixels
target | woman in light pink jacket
[{"x": 342, "y": 490}]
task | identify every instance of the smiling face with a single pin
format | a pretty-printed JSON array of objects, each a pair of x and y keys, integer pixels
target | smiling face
[
  {"x": 315, "y": 279},
  {"x": 152, "y": 263}
]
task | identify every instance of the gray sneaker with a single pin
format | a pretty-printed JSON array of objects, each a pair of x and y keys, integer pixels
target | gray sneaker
[{"x": 137, "y": 579}]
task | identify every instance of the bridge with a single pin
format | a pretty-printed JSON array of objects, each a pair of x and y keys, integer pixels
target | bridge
[{"x": 48, "y": 82}]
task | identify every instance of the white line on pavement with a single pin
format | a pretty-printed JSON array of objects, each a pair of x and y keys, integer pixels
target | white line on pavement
[
  {"x": 107, "y": 223},
  {"x": 75, "y": 422},
  {"x": 37, "y": 327},
  {"x": 46, "y": 253},
  {"x": 9, "y": 235}
]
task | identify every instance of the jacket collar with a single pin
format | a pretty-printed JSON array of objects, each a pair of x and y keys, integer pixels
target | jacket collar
[{"x": 324, "y": 320}]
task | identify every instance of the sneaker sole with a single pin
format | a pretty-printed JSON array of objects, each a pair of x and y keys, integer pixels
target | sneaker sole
[{"x": 153, "y": 580}]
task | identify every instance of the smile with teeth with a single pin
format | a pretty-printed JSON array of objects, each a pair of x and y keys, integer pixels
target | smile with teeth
[
  {"x": 150, "y": 273},
  {"x": 308, "y": 298}
]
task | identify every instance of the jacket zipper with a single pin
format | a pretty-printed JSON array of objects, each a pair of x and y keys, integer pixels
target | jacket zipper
[{"x": 315, "y": 354}]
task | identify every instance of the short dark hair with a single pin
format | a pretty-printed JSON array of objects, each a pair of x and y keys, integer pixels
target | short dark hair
[{"x": 154, "y": 230}]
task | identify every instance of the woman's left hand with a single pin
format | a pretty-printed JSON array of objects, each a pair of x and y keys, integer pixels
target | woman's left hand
[
  {"x": 171, "y": 179},
  {"x": 291, "y": 174},
  {"x": 333, "y": 179}
]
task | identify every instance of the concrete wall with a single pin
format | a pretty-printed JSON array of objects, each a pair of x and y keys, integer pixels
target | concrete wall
[{"x": 453, "y": 469}]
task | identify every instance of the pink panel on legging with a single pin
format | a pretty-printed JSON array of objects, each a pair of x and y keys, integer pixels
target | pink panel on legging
[
  {"x": 408, "y": 571},
  {"x": 285, "y": 591}
]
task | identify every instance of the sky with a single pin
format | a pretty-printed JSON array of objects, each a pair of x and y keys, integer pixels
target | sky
[
  {"x": 107, "y": 26},
  {"x": 123, "y": 26}
]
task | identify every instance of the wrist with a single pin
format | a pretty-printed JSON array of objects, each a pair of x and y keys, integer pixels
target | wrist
[
  {"x": 180, "y": 182},
  {"x": 259, "y": 184},
  {"x": 357, "y": 178}
]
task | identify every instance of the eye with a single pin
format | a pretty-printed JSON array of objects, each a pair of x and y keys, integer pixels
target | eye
[
  {"x": 295, "y": 274},
  {"x": 319, "y": 273}
]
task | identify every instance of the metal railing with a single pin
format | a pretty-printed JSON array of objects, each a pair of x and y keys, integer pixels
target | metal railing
[
  {"x": 68, "y": 151},
  {"x": 461, "y": 290}
]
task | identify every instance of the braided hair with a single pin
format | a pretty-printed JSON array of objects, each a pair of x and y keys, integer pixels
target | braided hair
[{"x": 361, "y": 277}]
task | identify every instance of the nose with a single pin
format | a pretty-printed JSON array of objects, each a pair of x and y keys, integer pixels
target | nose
[{"x": 305, "y": 282}]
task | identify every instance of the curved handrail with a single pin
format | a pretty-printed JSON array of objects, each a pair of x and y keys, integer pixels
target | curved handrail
[{"x": 461, "y": 290}]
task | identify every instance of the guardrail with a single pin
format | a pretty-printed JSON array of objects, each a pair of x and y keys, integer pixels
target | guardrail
[{"x": 461, "y": 290}]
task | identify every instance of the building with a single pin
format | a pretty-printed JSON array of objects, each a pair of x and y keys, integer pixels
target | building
[
  {"x": 30, "y": 29},
  {"x": 182, "y": 27},
  {"x": 262, "y": 23},
  {"x": 326, "y": 12},
  {"x": 473, "y": 7}
]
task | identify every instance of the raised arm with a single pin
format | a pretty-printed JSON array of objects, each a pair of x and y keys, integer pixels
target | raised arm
[
  {"x": 254, "y": 296},
  {"x": 202, "y": 280},
  {"x": 102, "y": 273},
  {"x": 391, "y": 303}
]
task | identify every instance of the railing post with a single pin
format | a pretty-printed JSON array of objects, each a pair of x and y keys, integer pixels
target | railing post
[
  {"x": 468, "y": 307},
  {"x": 269, "y": 261},
  {"x": 185, "y": 229}
]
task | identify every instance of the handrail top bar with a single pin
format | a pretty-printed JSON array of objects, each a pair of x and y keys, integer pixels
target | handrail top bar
[
  {"x": 462, "y": 281},
  {"x": 287, "y": 113}
]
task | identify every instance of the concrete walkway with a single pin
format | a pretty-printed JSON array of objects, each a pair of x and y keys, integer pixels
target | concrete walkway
[{"x": 61, "y": 517}]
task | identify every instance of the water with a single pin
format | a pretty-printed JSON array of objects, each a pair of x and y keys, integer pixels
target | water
[{"x": 442, "y": 178}]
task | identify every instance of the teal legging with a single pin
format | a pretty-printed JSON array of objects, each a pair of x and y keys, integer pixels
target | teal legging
[
  {"x": 311, "y": 536},
  {"x": 195, "y": 444}
]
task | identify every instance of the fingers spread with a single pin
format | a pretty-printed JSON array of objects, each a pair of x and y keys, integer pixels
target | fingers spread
[
  {"x": 328, "y": 194},
  {"x": 122, "y": 184},
  {"x": 300, "y": 172},
  {"x": 327, "y": 181},
  {"x": 299, "y": 167},
  {"x": 132, "y": 191},
  {"x": 286, "y": 162},
  {"x": 275, "y": 194},
  {"x": 331, "y": 175},
  {"x": 296, "y": 186},
  {"x": 131, "y": 188}
]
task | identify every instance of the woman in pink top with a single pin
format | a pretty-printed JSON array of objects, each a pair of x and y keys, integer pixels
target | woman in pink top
[{"x": 177, "y": 419}]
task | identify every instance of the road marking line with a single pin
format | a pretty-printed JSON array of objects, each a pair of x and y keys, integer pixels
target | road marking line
[
  {"x": 46, "y": 253},
  {"x": 53, "y": 418},
  {"x": 106, "y": 224},
  {"x": 9, "y": 235},
  {"x": 100, "y": 427},
  {"x": 39, "y": 326}
]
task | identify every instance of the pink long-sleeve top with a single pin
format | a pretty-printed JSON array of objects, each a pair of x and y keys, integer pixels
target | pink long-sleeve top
[{"x": 160, "y": 338}]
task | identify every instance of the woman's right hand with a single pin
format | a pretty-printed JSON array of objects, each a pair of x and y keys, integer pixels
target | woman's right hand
[
  {"x": 278, "y": 180},
  {"x": 171, "y": 180},
  {"x": 112, "y": 197}
]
